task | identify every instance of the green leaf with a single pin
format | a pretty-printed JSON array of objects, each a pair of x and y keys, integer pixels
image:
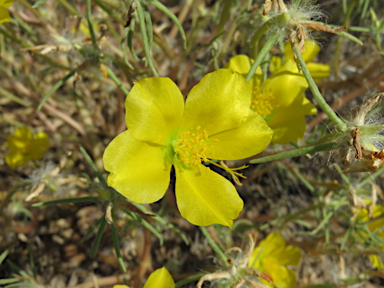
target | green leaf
[
  {"x": 143, "y": 29},
  {"x": 117, "y": 247},
  {"x": 8, "y": 281},
  {"x": 38, "y": 3},
  {"x": 175, "y": 20},
  {"x": 145, "y": 223},
  {"x": 99, "y": 234},
  {"x": 54, "y": 88},
  {"x": 91, "y": 229},
  {"x": 297, "y": 152},
  {"x": 68, "y": 200},
  {"x": 94, "y": 167},
  {"x": 5, "y": 254}
]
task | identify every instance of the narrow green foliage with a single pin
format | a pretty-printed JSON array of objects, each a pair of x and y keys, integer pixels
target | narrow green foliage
[
  {"x": 117, "y": 81},
  {"x": 164, "y": 222},
  {"x": 261, "y": 55},
  {"x": 68, "y": 201},
  {"x": 55, "y": 87},
  {"x": 98, "y": 236},
  {"x": 168, "y": 12},
  {"x": 91, "y": 229},
  {"x": 38, "y": 3},
  {"x": 8, "y": 281},
  {"x": 145, "y": 223},
  {"x": 5, "y": 254},
  {"x": 297, "y": 152},
  {"x": 144, "y": 35},
  {"x": 94, "y": 167},
  {"x": 90, "y": 26},
  {"x": 117, "y": 247},
  {"x": 215, "y": 247},
  {"x": 316, "y": 93}
]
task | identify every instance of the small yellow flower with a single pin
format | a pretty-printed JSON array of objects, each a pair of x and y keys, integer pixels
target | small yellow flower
[
  {"x": 214, "y": 123},
  {"x": 271, "y": 256},
  {"x": 4, "y": 14},
  {"x": 279, "y": 100},
  {"x": 160, "y": 278},
  {"x": 318, "y": 71},
  {"x": 25, "y": 147},
  {"x": 363, "y": 215}
]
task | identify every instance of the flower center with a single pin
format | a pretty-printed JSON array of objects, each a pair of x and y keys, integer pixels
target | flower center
[
  {"x": 191, "y": 146},
  {"x": 263, "y": 103}
]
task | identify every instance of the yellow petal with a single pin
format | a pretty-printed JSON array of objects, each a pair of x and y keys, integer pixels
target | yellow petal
[
  {"x": 220, "y": 102},
  {"x": 39, "y": 145},
  {"x": 140, "y": 171},
  {"x": 160, "y": 278},
  {"x": 4, "y": 15},
  {"x": 288, "y": 123},
  {"x": 376, "y": 262},
  {"x": 23, "y": 133},
  {"x": 15, "y": 159},
  {"x": 17, "y": 144},
  {"x": 154, "y": 110},
  {"x": 285, "y": 85},
  {"x": 282, "y": 276},
  {"x": 318, "y": 71},
  {"x": 249, "y": 139},
  {"x": 274, "y": 64},
  {"x": 289, "y": 255},
  {"x": 6, "y": 3},
  {"x": 204, "y": 197},
  {"x": 311, "y": 50},
  {"x": 242, "y": 64},
  {"x": 307, "y": 107},
  {"x": 266, "y": 247},
  {"x": 120, "y": 286}
]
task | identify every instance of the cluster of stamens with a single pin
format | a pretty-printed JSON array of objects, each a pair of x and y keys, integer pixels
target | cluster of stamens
[
  {"x": 263, "y": 103},
  {"x": 192, "y": 146}
]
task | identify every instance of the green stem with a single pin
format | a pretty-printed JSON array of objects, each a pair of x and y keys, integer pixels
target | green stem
[
  {"x": 189, "y": 279},
  {"x": 370, "y": 177},
  {"x": 316, "y": 93},
  {"x": 90, "y": 26},
  {"x": 297, "y": 152},
  {"x": 143, "y": 29},
  {"x": 214, "y": 246},
  {"x": 117, "y": 81},
  {"x": 115, "y": 4},
  {"x": 224, "y": 16},
  {"x": 263, "y": 52}
]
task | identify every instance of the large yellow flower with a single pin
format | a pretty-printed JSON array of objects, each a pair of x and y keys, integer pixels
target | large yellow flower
[
  {"x": 279, "y": 100},
  {"x": 318, "y": 71},
  {"x": 4, "y": 14},
  {"x": 214, "y": 123},
  {"x": 272, "y": 255},
  {"x": 25, "y": 147},
  {"x": 160, "y": 278}
]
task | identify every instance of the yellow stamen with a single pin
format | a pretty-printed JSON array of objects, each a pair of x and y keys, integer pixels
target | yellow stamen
[
  {"x": 192, "y": 145},
  {"x": 263, "y": 102}
]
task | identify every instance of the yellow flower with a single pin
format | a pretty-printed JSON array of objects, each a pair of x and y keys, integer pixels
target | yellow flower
[
  {"x": 318, "y": 71},
  {"x": 271, "y": 256},
  {"x": 377, "y": 210},
  {"x": 160, "y": 278},
  {"x": 214, "y": 123},
  {"x": 25, "y": 147},
  {"x": 363, "y": 216},
  {"x": 279, "y": 100},
  {"x": 4, "y": 14}
]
